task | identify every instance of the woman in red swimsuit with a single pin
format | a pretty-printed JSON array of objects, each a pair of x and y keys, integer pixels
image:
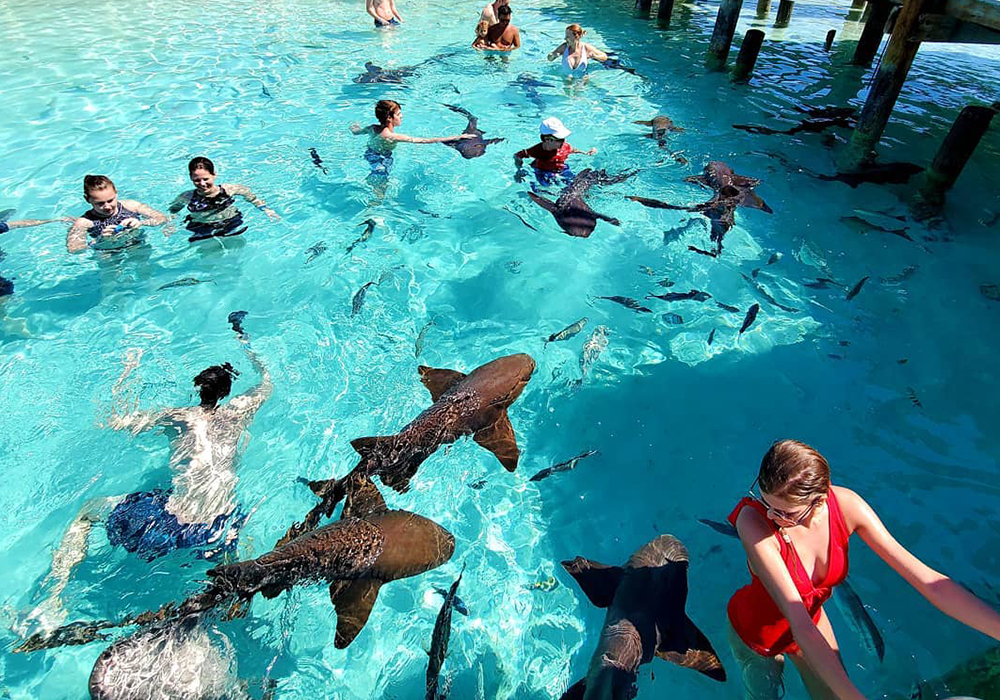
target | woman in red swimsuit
[{"x": 795, "y": 531}]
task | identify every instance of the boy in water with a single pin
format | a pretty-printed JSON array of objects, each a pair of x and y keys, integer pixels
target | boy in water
[
  {"x": 111, "y": 223},
  {"x": 383, "y": 12},
  {"x": 549, "y": 154}
]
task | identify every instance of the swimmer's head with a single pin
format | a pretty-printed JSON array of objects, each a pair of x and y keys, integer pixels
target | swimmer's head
[
  {"x": 574, "y": 32},
  {"x": 202, "y": 172},
  {"x": 482, "y": 29},
  {"x": 214, "y": 383},
  {"x": 795, "y": 473},
  {"x": 101, "y": 194},
  {"x": 504, "y": 12},
  {"x": 388, "y": 111}
]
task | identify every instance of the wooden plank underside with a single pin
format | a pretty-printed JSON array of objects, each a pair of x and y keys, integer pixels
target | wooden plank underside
[{"x": 944, "y": 28}]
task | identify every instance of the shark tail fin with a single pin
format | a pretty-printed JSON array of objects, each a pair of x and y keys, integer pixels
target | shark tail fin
[
  {"x": 575, "y": 691},
  {"x": 438, "y": 381},
  {"x": 689, "y": 647},
  {"x": 599, "y": 582},
  {"x": 499, "y": 439},
  {"x": 404, "y": 465},
  {"x": 353, "y": 601}
]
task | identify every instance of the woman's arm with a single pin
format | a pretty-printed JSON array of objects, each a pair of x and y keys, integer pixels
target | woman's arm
[
  {"x": 558, "y": 50},
  {"x": 765, "y": 560},
  {"x": 595, "y": 53},
  {"x": 76, "y": 238},
  {"x": 947, "y": 596},
  {"x": 395, "y": 13},
  {"x": 247, "y": 194},
  {"x": 180, "y": 201},
  {"x": 151, "y": 217}
]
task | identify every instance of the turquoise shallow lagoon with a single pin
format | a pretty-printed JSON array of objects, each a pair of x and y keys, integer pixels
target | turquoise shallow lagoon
[{"x": 897, "y": 386}]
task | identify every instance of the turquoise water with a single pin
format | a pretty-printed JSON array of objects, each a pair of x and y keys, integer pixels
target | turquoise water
[{"x": 135, "y": 90}]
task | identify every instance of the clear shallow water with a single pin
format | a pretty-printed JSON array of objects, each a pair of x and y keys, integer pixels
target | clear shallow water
[{"x": 135, "y": 90}]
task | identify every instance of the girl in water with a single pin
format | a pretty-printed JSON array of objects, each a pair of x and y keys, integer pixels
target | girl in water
[
  {"x": 482, "y": 29},
  {"x": 212, "y": 211},
  {"x": 795, "y": 531},
  {"x": 111, "y": 224},
  {"x": 575, "y": 53}
]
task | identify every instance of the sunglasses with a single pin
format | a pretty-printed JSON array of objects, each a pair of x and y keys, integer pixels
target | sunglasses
[{"x": 794, "y": 518}]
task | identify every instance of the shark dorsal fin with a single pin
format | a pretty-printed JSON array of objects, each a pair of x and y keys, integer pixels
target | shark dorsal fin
[
  {"x": 364, "y": 446},
  {"x": 598, "y": 581},
  {"x": 499, "y": 439},
  {"x": 353, "y": 601},
  {"x": 689, "y": 647},
  {"x": 439, "y": 381},
  {"x": 363, "y": 499}
]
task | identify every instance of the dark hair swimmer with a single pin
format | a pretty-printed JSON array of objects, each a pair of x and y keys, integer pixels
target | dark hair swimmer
[
  {"x": 212, "y": 211},
  {"x": 111, "y": 223},
  {"x": 795, "y": 531},
  {"x": 199, "y": 510}
]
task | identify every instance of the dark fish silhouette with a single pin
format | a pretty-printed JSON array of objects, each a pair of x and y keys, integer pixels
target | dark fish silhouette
[
  {"x": 439, "y": 642},
  {"x": 864, "y": 221},
  {"x": 722, "y": 528},
  {"x": 671, "y": 235},
  {"x": 693, "y": 295},
  {"x": 750, "y": 317},
  {"x": 645, "y": 600},
  {"x": 819, "y": 120},
  {"x": 369, "y": 225},
  {"x": 470, "y": 148},
  {"x": 568, "y": 332},
  {"x": 711, "y": 336},
  {"x": 184, "y": 282},
  {"x": 418, "y": 345},
  {"x": 317, "y": 161},
  {"x": 857, "y": 616},
  {"x": 668, "y": 283},
  {"x": 478, "y": 484},
  {"x": 464, "y": 404},
  {"x": 264, "y": 92},
  {"x": 727, "y": 307},
  {"x": 316, "y": 250},
  {"x": 911, "y": 394},
  {"x": 660, "y": 126},
  {"x": 614, "y": 63},
  {"x": 566, "y": 466},
  {"x": 673, "y": 319},
  {"x": 629, "y": 304},
  {"x": 571, "y": 212},
  {"x": 856, "y": 289},
  {"x": 766, "y": 295},
  {"x": 358, "y": 300},
  {"x": 881, "y": 174},
  {"x": 990, "y": 291},
  {"x": 822, "y": 283},
  {"x": 378, "y": 74},
  {"x": 530, "y": 86},
  {"x": 457, "y": 603},
  {"x": 905, "y": 274},
  {"x": 235, "y": 320},
  {"x": 976, "y": 677}
]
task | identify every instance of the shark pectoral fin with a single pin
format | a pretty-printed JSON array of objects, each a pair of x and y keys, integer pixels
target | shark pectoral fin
[
  {"x": 363, "y": 499},
  {"x": 575, "y": 691},
  {"x": 439, "y": 381},
  {"x": 690, "y": 648},
  {"x": 648, "y": 122},
  {"x": 605, "y": 217},
  {"x": 599, "y": 582},
  {"x": 499, "y": 439},
  {"x": 656, "y": 203},
  {"x": 366, "y": 445},
  {"x": 353, "y": 601},
  {"x": 753, "y": 201},
  {"x": 545, "y": 204}
]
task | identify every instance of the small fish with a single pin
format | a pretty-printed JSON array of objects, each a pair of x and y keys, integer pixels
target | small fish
[
  {"x": 315, "y": 251},
  {"x": 722, "y": 528},
  {"x": 902, "y": 361},
  {"x": 754, "y": 272},
  {"x": 775, "y": 257},
  {"x": 834, "y": 356},
  {"x": 856, "y": 289},
  {"x": 857, "y": 616},
  {"x": 749, "y": 318},
  {"x": 912, "y": 395},
  {"x": 763, "y": 292},
  {"x": 544, "y": 585},
  {"x": 672, "y": 234},
  {"x": 477, "y": 484},
  {"x": 513, "y": 267},
  {"x": 711, "y": 336},
  {"x": 566, "y": 466},
  {"x": 369, "y": 225},
  {"x": 359, "y": 298},
  {"x": 6, "y": 214},
  {"x": 990, "y": 291},
  {"x": 264, "y": 92},
  {"x": 647, "y": 270},
  {"x": 844, "y": 343},
  {"x": 317, "y": 161},
  {"x": 593, "y": 348},
  {"x": 822, "y": 283},
  {"x": 666, "y": 282},
  {"x": 905, "y": 274},
  {"x": 862, "y": 224},
  {"x": 629, "y": 304},
  {"x": 700, "y": 251},
  {"x": 184, "y": 282},
  {"x": 727, "y": 307},
  {"x": 568, "y": 332},
  {"x": 418, "y": 346},
  {"x": 432, "y": 214},
  {"x": 672, "y": 319},
  {"x": 235, "y": 320},
  {"x": 457, "y": 603},
  {"x": 693, "y": 295}
]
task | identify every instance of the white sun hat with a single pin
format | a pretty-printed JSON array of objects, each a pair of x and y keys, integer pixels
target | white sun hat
[{"x": 553, "y": 127}]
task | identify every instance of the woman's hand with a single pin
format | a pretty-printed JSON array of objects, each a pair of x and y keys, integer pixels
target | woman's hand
[{"x": 592, "y": 152}]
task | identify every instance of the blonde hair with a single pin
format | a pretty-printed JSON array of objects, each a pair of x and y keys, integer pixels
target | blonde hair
[
  {"x": 482, "y": 28},
  {"x": 577, "y": 30},
  {"x": 795, "y": 471}
]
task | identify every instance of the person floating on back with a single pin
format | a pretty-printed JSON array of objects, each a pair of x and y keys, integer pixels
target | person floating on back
[
  {"x": 795, "y": 531},
  {"x": 503, "y": 36},
  {"x": 549, "y": 154},
  {"x": 212, "y": 211},
  {"x": 111, "y": 223},
  {"x": 383, "y": 12}
]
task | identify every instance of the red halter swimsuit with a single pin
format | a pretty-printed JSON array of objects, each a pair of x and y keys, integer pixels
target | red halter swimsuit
[{"x": 753, "y": 613}]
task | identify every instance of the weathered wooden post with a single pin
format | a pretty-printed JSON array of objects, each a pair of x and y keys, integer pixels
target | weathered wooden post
[
  {"x": 663, "y": 13},
  {"x": 955, "y": 152},
  {"x": 871, "y": 35},
  {"x": 747, "y": 57},
  {"x": 722, "y": 35},
  {"x": 896, "y": 62},
  {"x": 643, "y": 7},
  {"x": 784, "y": 15},
  {"x": 763, "y": 9},
  {"x": 829, "y": 39}
]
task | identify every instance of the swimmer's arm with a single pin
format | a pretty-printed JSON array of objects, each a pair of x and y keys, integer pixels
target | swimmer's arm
[
  {"x": 370, "y": 9},
  {"x": 26, "y": 223},
  {"x": 151, "y": 217},
  {"x": 247, "y": 194},
  {"x": 395, "y": 13},
  {"x": 596, "y": 53},
  {"x": 945, "y": 594},
  {"x": 592, "y": 151},
  {"x": 180, "y": 201},
  {"x": 419, "y": 139},
  {"x": 253, "y": 399},
  {"x": 558, "y": 50},
  {"x": 76, "y": 238},
  {"x": 765, "y": 560},
  {"x": 139, "y": 421},
  {"x": 516, "y": 41}
]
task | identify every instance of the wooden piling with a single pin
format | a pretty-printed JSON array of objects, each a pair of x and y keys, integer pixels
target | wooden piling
[
  {"x": 784, "y": 15},
  {"x": 643, "y": 7},
  {"x": 955, "y": 152},
  {"x": 747, "y": 57},
  {"x": 895, "y": 64},
  {"x": 829, "y": 39},
  {"x": 722, "y": 35},
  {"x": 663, "y": 13},
  {"x": 763, "y": 9},
  {"x": 871, "y": 35}
]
